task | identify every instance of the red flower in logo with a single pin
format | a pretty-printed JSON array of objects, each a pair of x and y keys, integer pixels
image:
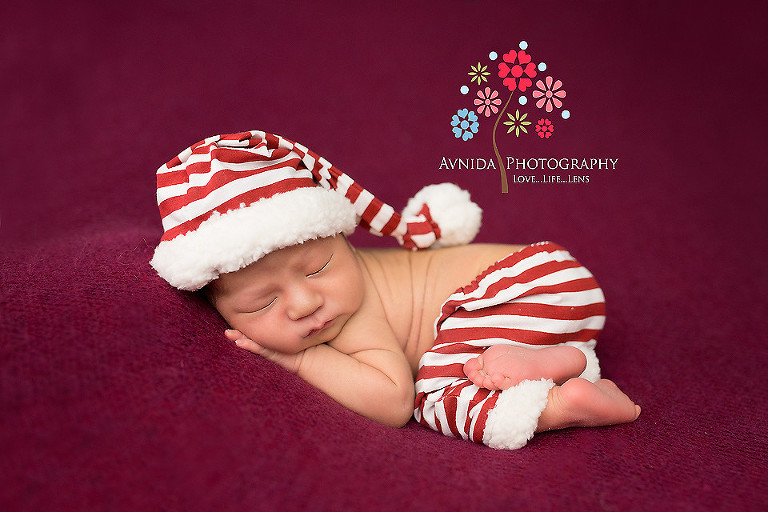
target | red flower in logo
[
  {"x": 517, "y": 75},
  {"x": 544, "y": 128}
]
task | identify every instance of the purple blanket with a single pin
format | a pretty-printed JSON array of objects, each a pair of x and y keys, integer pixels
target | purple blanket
[{"x": 118, "y": 392}]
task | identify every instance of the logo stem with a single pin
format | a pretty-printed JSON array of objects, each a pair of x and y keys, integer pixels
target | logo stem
[{"x": 502, "y": 168}]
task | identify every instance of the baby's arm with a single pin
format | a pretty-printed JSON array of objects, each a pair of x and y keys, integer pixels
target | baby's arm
[{"x": 373, "y": 379}]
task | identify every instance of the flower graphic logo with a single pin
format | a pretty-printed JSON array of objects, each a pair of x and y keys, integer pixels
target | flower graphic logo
[
  {"x": 464, "y": 124},
  {"x": 521, "y": 75},
  {"x": 479, "y": 73},
  {"x": 544, "y": 128},
  {"x": 517, "y": 70},
  {"x": 517, "y": 123},
  {"x": 549, "y": 93},
  {"x": 489, "y": 102}
]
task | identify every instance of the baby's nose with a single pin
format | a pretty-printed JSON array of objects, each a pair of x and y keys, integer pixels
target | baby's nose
[{"x": 303, "y": 302}]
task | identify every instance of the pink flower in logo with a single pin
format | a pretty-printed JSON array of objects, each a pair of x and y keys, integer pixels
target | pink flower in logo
[
  {"x": 517, "y": 70},
  {"x": 544, "y": 128},
  {"x": 488, "y": 102},
  {"x": 549, "y": 93}
]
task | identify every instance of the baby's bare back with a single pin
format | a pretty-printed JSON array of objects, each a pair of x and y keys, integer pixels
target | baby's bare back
[{"x": 413, "y": 286}]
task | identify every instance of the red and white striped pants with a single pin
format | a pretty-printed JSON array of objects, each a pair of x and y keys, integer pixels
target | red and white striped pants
[{"x": 538, "y": 296}]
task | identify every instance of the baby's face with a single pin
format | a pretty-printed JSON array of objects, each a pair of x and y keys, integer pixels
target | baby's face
[{"x": 293, "y": 298}]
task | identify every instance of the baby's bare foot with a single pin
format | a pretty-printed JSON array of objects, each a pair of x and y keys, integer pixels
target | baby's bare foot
[
  {"x": 504, "y": 366},
  {"x": 581, "y": 403}
]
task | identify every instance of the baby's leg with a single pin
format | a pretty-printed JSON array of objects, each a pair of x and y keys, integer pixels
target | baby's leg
[
  {"x": 581, "y": 403},
  {"x": 504, "y": 366}
]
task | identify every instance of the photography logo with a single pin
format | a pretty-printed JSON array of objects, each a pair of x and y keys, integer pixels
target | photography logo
[{"x": 517, "y": 95}]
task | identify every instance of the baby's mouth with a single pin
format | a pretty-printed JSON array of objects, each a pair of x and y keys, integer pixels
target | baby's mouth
[{"x": 320, "y": 328}]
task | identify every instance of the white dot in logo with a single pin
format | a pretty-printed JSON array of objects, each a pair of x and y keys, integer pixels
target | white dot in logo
[
  {"x": 542, "y": 66},
  {"x": 566, "y": 114},
  {"x": 523, "y": 45},
  {"x": 493, "y": 55},
  {"x": 464, "y": 89},
  {"x": 522, "y": 100}
]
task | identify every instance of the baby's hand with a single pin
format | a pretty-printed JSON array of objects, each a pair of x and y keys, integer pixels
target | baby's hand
[{"x": 290, "y": 362}]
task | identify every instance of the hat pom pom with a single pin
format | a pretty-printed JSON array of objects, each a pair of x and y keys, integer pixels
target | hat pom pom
[{"x": 450, "y": 207}]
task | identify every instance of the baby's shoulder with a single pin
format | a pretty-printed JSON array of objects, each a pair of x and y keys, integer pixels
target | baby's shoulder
[
  {"x": 400, "y": 269},
  {"x": 468, "y": 261}
]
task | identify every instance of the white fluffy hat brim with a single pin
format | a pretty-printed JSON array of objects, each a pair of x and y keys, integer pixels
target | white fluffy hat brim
[{"x": 231, "y": 241}]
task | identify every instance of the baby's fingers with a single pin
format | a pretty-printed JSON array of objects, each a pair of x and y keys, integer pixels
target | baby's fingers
[
  {"x": 242, "y": 341},
  {"x": 290, "y": 362}
]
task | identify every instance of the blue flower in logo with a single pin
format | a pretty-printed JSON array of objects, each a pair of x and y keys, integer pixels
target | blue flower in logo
[{"x": 464, "y": 124}]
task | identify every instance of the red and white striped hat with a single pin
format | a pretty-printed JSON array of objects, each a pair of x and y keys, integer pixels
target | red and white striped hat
[{"x": 231, "y": 199}]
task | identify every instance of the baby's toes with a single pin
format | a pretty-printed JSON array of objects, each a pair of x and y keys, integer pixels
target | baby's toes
[
  {"x": 479, "y": 379},
  {"x": 472, "y": 368},
  {"x": 500, "y": 382}
]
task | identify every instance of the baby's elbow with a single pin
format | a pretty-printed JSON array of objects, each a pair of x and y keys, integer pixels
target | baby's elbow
[
  {"x": 404, "y": 415},
  {"x": 393, "y": 403},
  {"x": 402, "y": 411},
  {"x": 398, "y": 416}
]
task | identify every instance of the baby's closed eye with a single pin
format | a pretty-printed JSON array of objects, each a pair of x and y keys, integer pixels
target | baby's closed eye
[
  {"x": 256, "y": 306},
  {"x": 323, "y": 267},
  {"x": 262, "y": 305}
]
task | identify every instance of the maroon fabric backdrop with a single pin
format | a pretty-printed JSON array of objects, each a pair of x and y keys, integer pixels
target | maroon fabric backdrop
[{"x": 119, "y": 393}]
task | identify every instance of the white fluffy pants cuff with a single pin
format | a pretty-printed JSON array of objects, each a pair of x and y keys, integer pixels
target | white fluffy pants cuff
[{"x": 514, "y": 418}]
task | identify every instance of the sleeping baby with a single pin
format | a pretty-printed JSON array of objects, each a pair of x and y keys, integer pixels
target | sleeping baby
[{"x": 491, "y": 343}]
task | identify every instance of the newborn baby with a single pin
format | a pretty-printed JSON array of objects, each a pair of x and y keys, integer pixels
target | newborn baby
[
  {"x": 355, "y": 323},
  {"x": 484, "y": 342}
]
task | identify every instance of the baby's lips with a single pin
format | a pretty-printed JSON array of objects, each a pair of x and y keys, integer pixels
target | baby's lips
[{"x": 319, "y": 327}]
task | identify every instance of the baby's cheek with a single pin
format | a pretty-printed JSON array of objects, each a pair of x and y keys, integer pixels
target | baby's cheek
[
  {"x": 270, "y": 328},
  {"x": 248, "y": 327}
]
